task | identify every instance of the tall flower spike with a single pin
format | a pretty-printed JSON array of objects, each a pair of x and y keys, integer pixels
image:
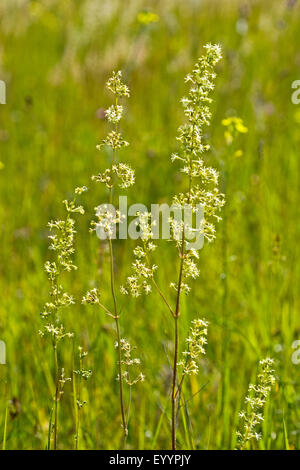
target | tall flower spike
[
  {"x": 118, "y": 175},
  {"x": 62, "y": 243},
  {"x": 192, "y": 145},
  {"x": 202, "y": 199},
  {"x": 252, "y": 417},
  {"x": 204, "y": 194}
]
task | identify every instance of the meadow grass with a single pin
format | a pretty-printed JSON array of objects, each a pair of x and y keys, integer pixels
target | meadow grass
[{"x": 55, "y": 59}]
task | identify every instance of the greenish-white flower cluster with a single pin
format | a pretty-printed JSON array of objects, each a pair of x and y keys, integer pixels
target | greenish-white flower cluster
[
  {"x": 122, "y": 171},
  {"x": 128, "y": 363},
  {"x": 62, "y": 243},
  {"x": 91, "y": 297},
  {"x": 114, "y": 140},
  {"x": 143, "y": 270},
  {"x": 107, "y": 220},
  {"x": 61, "y": 383},
  {"x": 190, "y": 270},
  {"x": 119, "y": 174},
  {"x": 115, "y": 112},
  {"x": 116, "y": 86},
  {"x": 205, "y": 193},
  {"x": 252, "y": 417},
  {"x": 79, "y": 375},
  {"x": 83, "y": 374},
  {"x": 196, "y": 342}
]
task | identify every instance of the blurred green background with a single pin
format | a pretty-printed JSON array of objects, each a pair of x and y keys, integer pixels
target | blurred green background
[{"x": 55, "y": 58}]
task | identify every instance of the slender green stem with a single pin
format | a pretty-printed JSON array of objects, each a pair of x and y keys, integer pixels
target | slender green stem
[
  {"x": 178, "y": 391},
  {"x": 116, "y": 315},
  {"x": 125, "y": 430},
  {"x": 56, "y": 398},
  {"x": 176, "y": 316},
  {"x": 156, "y": 285},
  {"x": 78, "y": 405},
  {"x": 174, "y": 380},
  {"x": 5, "y": 426},
  {"x": 112, "y": 279},
  {"x": 75, "y": 404},
  {"x": 50, "y": 430},
  {"x": 163, "y": 297},
  {"x": 174, "y": 383}
]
